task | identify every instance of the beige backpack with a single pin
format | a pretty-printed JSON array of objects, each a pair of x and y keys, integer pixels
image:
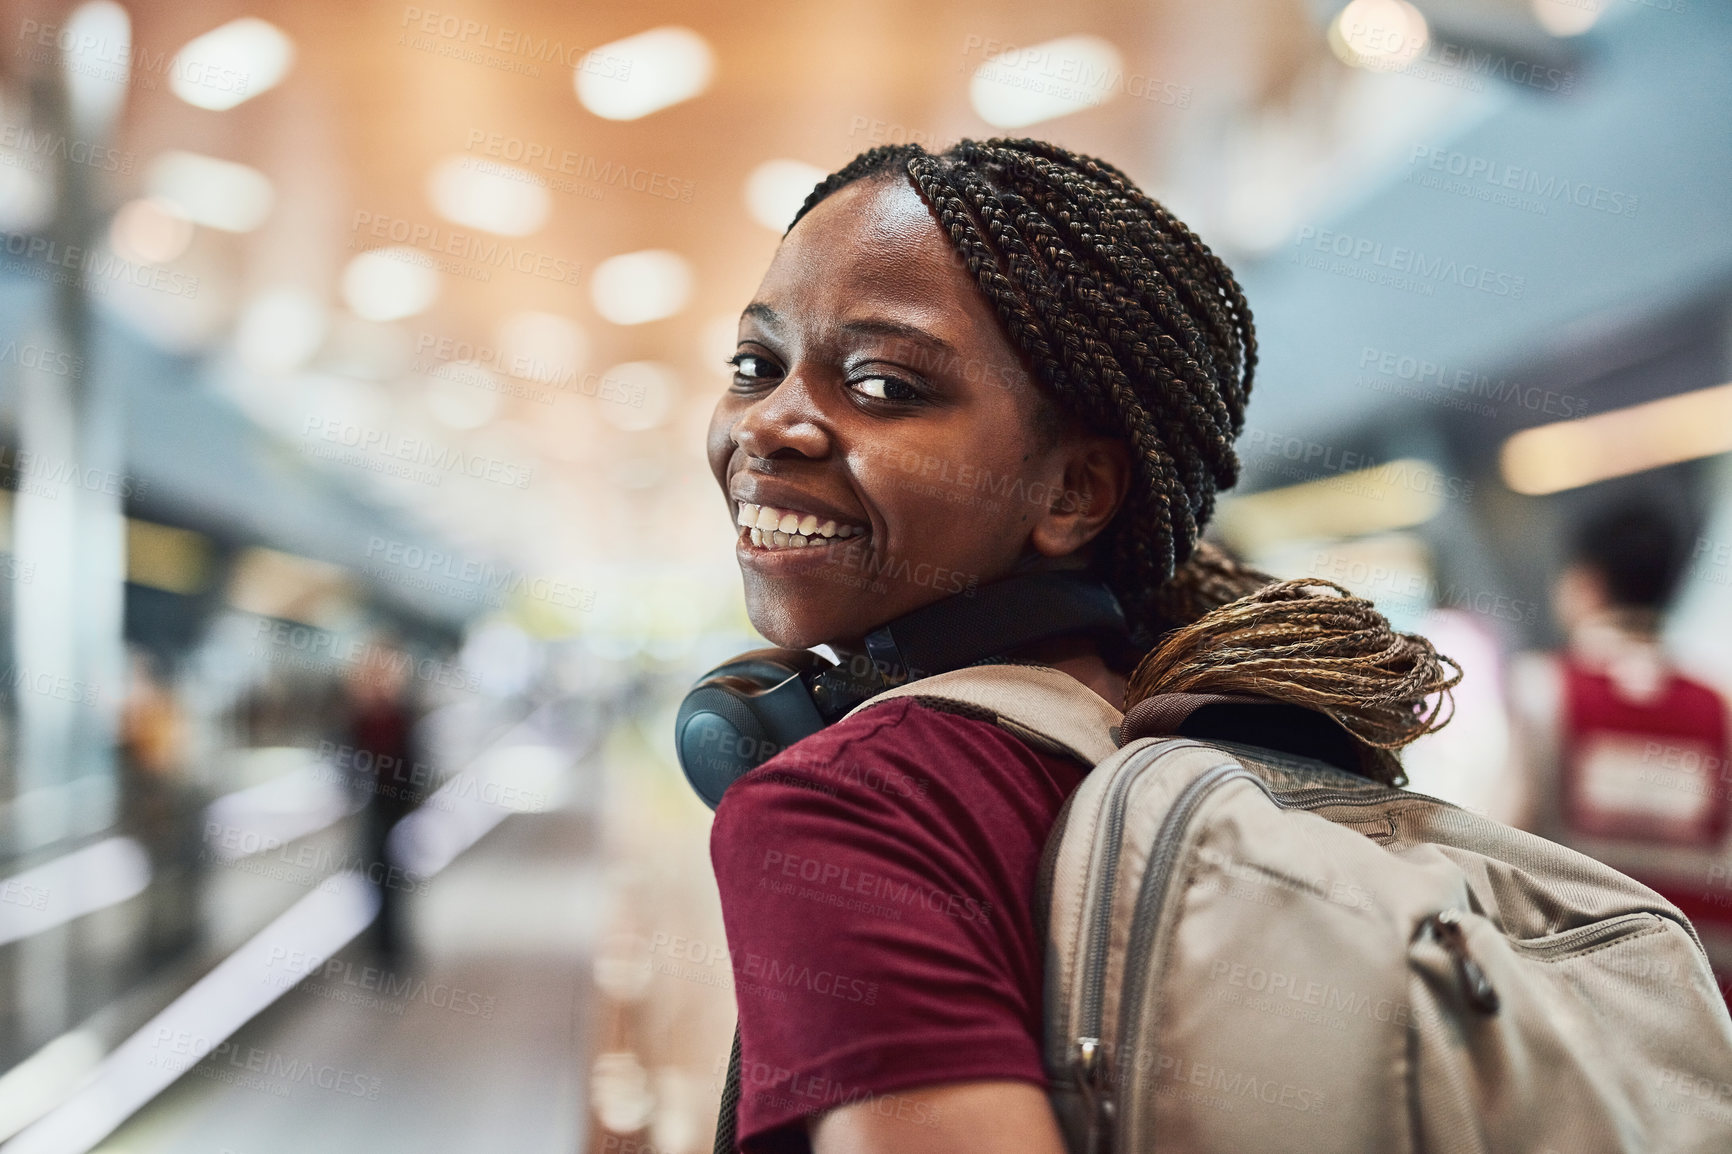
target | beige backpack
[{"x": 1251, "y": 951}]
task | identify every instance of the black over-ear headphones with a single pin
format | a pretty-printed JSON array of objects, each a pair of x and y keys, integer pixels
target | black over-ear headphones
[{"x": 744, "y": 711}]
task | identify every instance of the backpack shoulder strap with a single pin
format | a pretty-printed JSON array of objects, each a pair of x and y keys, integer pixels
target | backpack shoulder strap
[{"x": 1027, "y": 700}]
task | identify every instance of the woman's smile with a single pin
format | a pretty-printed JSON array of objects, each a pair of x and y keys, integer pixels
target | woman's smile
[
  {"x": 774, "y": 527},
  {"x": 866, "y": 347}
]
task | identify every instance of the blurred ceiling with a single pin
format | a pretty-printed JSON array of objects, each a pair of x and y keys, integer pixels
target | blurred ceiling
[{"x": 1243, "y": 119}]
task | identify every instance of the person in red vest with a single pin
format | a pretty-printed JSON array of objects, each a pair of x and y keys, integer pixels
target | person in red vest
[{"x": 1628, "y": 755}]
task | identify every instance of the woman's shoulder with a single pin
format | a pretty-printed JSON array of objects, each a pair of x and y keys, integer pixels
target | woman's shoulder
[{"x": 910, "y": 760}]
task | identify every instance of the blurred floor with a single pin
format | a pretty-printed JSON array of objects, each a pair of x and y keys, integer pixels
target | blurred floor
[{"x": 482, "y": 1046}]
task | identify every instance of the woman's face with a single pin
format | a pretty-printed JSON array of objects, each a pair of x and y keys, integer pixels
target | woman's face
[{"x": 880, "y": 433}]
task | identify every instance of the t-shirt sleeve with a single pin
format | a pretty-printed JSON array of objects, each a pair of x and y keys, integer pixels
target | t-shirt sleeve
[{"x": 876, "y": 884}]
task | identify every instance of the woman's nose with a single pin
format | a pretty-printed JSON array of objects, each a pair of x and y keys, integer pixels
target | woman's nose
[{"x": 786, "y": 421}]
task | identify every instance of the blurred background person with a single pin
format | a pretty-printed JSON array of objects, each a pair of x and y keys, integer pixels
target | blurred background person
[
  {"x": 1626, "y": 755},
  {"x": 382, "y": 749},
  {"x": 162, "y": 807}
]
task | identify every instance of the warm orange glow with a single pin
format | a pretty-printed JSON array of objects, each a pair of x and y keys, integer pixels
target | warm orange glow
[{"x": 1570, "y": 454}]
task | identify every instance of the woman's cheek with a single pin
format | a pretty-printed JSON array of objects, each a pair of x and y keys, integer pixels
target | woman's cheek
[{"x": 719, "y": 442}]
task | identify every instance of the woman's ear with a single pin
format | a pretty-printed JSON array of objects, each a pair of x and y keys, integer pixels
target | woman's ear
[{"x": 1096, "y": 474}]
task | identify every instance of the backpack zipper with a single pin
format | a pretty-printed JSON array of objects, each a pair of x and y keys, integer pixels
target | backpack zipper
[
  {"x": 1095, "y": 959},
  {"x": 1092, "y": 1065},
  {"x": 1559, "y": 946},
  {"x": 1446, "y": 927}
]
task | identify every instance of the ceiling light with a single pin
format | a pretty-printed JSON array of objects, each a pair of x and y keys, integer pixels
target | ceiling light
[
  {"x": 1027, "y": 85},
  {"x": 230, "y": 64},
  {"x": 26, "y": 199},
  {"x": 462, "y": 396},
  {"x": 542, "y": 347},
  {"x": 280, "y": 330},
  {"x": 777, "y": 188},
  {"x": 1394, "y": 495},
  {"x": 1570, "y": 454},
  {"x": 1378, "y": 35},
  {"x": 648, "y": 391},
  {"x": 644, "y": 73},
  {"x": 97, "y": 63},
  {"x": 215, "y": 193},
  {"x": 488, "y": 195},
  {"x": 149, "y": 231},
  {"x": 636, "y": 287},
  {"x": 388, "y": 284},
  {"x": 1567, "y": 17}
]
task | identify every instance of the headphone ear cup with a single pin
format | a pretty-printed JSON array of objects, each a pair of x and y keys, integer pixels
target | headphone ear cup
[
  {"x": 719, "y": 737},
  {"x": 741, "y": 714}
]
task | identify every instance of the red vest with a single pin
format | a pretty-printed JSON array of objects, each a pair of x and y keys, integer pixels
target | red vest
[{"x": 1650, "y": 773}]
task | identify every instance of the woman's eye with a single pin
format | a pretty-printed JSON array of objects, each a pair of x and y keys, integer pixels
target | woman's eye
[
  {"x": 887, "y": 389},
  {"x": 751, "y": 367}
]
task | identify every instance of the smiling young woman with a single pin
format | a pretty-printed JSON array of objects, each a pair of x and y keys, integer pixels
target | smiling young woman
[{"x": 957, "y": 368}]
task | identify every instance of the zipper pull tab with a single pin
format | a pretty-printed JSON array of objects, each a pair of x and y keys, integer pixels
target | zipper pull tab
[
  {"x": 1474, "y": 984},
  {"x": 1090, "y": 1068}
]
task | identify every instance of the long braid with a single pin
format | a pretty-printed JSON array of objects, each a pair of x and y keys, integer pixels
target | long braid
[{"x": 1137, "y": 330}]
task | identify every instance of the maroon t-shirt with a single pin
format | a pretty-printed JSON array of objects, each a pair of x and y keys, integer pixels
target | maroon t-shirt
[{"x": 877, "y": 883}]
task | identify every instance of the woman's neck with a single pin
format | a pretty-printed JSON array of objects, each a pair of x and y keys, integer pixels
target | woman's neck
[
  {"x": 1078, "y": 656},
  {"x": 1081, "y": 658}
]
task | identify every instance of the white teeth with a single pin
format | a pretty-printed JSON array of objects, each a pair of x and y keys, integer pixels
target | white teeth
[{"x": 778, "y": 528}]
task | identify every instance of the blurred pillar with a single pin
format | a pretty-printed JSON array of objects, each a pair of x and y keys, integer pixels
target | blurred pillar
[{"x": 69, "y": 530}]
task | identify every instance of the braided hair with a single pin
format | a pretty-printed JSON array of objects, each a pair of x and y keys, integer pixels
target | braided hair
[
  {"x": 1132, "y": 325},
  {"x": 1136, "y": 330}
]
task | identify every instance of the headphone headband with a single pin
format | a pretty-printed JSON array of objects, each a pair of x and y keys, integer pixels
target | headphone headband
[{"x": 744, "y": 711}]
